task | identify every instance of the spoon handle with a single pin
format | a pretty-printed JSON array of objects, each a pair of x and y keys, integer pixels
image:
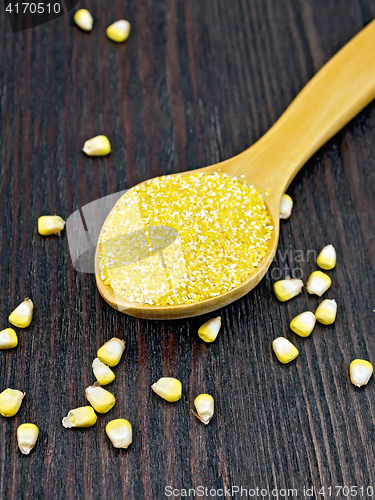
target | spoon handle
[{"x": 335, "y": 95}]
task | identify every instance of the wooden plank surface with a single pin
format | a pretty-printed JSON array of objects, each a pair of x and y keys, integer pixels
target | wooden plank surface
[{"x": 196, "y": 83}]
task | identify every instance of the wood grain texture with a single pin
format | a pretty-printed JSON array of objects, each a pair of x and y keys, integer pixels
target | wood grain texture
[{"x": 196, "y": 83}]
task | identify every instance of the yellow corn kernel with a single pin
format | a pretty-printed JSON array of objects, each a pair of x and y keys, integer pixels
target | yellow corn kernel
[
  {"x": 119, "y": 31},
  {"x": 119, "y": 432},
  {"x": 10, "y": 402},
  {"x": 303, "y": 324},
  {"x": 104, "y": 375},
  {"x": 204, "y": 404},
  {"x": 168, "y": 388},
  {"x": 327, "y": 258},
  {"x": 286, "y": 206},
  {"x": 100, "y": 399},
  {"x": 326, "y": 312},
  {"x": 287, "y": 289},
  {"x": 284, "y": 350},
  {"x": 8, "y": 339},
  {"x": 80, "y": 417},
  {"x": 84, "y": 19},
  {"x": 360, "y": 372},
  {"x": 50, "y": 224},
  {"x": 27, "y": 435},
  {"x": 209, "y": 330},
  {"x": 318, "y": 283},
  {"x": 23, "y": 314},
  {"x": 110, "y": 353},
  {"x": 97, "y": 146}
]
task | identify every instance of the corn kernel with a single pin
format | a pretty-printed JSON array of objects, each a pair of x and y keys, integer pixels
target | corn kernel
[
  {"x": 284, "y": 350},
  {"x": 168, "y": 388},
  {"x": 8, "y": 339},
  {"x": 27, "y": 435},
  {"x": 104, "y": 375},
  {"x": 209, "y": 330},
  {"x": 303, "y": 324},
  {"x": 100, "y": 399},
  {"x": 50, "y": 224},
  {"x": 84, "y": 19},
  {"x": 119, "y": 31},
  {"x": 327, "y": 258},
  {"x": 97, "y": 146},
  {"x": 110, "y": 353},
  {"x": 119, "y": 432},
  {"x": 287, "y": 289},
  {"x": 326, "y": 312},
  {"x": 204, "y": 404},
  {"x": 23, "y": 314},
  {"x": 10, "y": 402},
  {"x": 286, "y": 206},
  {"x": 80, "y": 417},
  {"x": 360, "y": 372},
  {"x": 318, "y": 283}
]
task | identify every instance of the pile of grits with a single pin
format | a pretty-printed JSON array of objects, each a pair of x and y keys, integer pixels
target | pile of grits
[{"x": 183, "y": 239}]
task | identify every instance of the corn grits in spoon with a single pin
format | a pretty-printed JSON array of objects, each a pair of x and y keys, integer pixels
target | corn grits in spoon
[{"x": 187, "y": 244}]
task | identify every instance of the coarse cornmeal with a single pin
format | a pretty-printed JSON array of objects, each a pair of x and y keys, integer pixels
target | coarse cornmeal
[{"x": 183, "y": 239}]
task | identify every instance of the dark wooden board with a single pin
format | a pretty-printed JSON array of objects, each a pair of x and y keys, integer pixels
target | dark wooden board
[{"x": 196, "y": 83}]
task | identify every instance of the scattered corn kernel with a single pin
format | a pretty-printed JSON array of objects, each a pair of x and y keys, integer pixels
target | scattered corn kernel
[
  {"x": 80, "y": 417},
  {"x": 326, "y": 312},
  {"x": 23, "y": 314},
  {"x": 84, "y": 19},
  {"x": 104, "y": 375},
  {"x": 10, "y": 402},
  {"x": 168, "y": 388},
  {"x": 327, "y": 258},
  {"x": 360, "y": 372},
  {"x": 209, "y": 330},
  {"x": 100, "y": 399},
  {"x": 286, "y": 206},
  {"x": 110, "y": 353},
  {"x": 27, "y": 435},
  {"x": 204, "y": 405},
  {"x": 303, "y": 324},
  {"x": 97, "y": 146},
  {"x": 284, "y": 350},
  {"x": 287, "y": 289},
  {"x": 119, "y": 31},
  {"x": 8, "y": 339},
  {"x": 119, "y": 432},
  {"x": 318, "y": 283},
  {"x": 50, "y": 224}
]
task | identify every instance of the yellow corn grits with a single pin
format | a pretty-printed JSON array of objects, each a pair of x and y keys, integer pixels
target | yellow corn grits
[{"x": 183, "y": 239}]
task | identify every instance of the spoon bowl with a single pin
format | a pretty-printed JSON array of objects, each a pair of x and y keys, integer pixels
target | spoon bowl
[{"x": 335, "y": 95}]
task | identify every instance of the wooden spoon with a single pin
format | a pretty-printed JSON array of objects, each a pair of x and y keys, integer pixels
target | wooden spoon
[{"x": 340, "y": 90}]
